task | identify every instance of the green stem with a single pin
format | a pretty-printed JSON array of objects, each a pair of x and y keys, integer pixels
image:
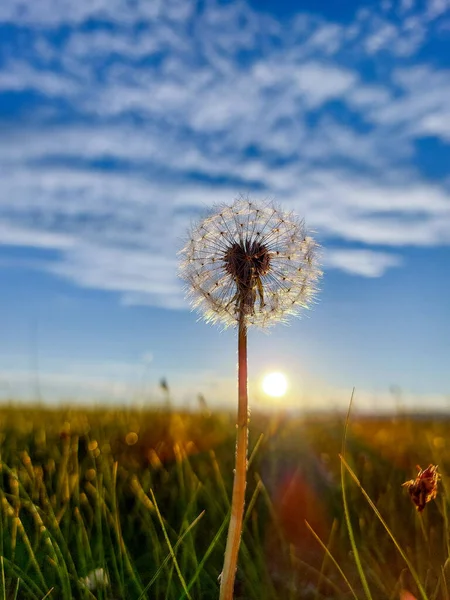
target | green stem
[{"x": 240, "y": 473}]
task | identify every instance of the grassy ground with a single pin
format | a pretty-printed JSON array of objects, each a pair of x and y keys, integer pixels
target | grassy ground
[{"x": 142, "y": 499}]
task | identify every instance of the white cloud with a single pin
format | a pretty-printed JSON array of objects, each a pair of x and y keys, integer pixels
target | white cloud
[
  {"x": 437, "y": 125},
  {"x": 20, "y": 76},
  {"x": 362, "y": 262},
  {"x": 327, "y": 38},
  {"x": 52, "y": 13},
  {"x": 406, "y": 5},
  {"x": 384, "y": 35},
  {"x": 151, "y": 276},
  {"x": 142, "y": 127},
  {"x": 424, "y": 93},
  {"x": 10, "y": 235},
  {"x": 436, "y": 8}
]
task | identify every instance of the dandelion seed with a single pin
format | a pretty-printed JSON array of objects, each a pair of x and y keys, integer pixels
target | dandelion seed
[{"x": 423, "y": 488}]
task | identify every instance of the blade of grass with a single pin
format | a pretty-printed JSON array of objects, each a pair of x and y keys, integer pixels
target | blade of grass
[
  {"x": 3, "y": 578},
  {"x": 252, "y": 502},
  {"x": 168, "y": 582},
  {"x": 273, "y": 514},
  {"x": 189, "y": 555},
  {"x": 437, "y": 589},
  {"x": 325, "y": 558},
  {"x": 389, "y": 532},
  {"x": 348, "y": 522},
  {"x": 219, "y": 478},
  {"x": 27, "y": 582},
  {"x": 63, "y": 572},
  {"x": 168, "y": 557},
  {"x": 117, "y": 562},
  {"x": 171, "y": 550},
  {"x": 16, "y": 591},
  {"x": 25, "y": 539},
  {"x": 109, "y": 517},
  {"x": 333, "y": 560},
  {"x": 310, "y": 569},
  {"x": 444, "y": 580},
  {"x": 206, "y": 556},
  {"x": 255, "y": 450}
]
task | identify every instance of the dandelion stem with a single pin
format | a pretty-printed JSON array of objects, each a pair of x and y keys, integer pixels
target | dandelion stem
[{"x": 240, "y": 473}]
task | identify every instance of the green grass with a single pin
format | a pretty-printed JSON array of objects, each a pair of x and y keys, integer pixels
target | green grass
[{"x": 80, "y": 492}]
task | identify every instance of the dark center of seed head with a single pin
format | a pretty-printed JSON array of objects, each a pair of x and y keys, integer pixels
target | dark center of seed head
[{"x": 247, "y": 261}]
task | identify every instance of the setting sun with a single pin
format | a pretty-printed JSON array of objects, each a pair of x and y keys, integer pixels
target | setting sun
[{"x": 275, "y": 384}]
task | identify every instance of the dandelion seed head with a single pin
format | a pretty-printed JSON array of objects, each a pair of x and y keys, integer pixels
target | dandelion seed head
[{"x": 251, "y": 260}]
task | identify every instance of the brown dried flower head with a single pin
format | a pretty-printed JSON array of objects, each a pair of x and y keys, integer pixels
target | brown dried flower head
[
  {"x": 423, "y": 488},
  {"x": 250, "y": 260}
]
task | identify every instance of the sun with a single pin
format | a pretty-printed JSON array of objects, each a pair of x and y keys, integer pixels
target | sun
[{"x": 275, "y": 384}]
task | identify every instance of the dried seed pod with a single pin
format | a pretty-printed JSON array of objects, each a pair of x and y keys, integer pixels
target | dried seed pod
[{"x": 423, "y": 488}]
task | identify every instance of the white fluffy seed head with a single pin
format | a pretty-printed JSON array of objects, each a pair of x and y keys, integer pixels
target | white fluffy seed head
[{"x": 250, "y": 259}]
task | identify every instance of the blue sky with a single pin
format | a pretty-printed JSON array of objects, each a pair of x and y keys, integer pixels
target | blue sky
[{"x": 121, "y": 121}]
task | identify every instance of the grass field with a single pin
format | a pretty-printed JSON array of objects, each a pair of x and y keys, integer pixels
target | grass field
[{"x": 133, "y": 505}]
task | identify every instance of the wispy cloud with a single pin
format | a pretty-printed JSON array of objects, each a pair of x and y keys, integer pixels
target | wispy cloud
[
  {"x": 125, "y": 130},
  {"x": 362, "y": 262}
]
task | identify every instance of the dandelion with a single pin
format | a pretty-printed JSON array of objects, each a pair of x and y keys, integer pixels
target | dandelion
[
  {"x": 252, "y": 262},
  {"x": 247, "y": 264},
  {"x": 423, "y": 488}
]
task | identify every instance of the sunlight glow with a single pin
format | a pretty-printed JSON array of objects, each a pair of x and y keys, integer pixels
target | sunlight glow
[{"x": 275, "y": 384}]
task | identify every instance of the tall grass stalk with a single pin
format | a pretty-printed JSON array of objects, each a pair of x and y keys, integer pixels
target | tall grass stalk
[
  {"x": 333, "y": 560},
  {"x": 348, "y": 521},
  {"x": 171, "y": 550}
]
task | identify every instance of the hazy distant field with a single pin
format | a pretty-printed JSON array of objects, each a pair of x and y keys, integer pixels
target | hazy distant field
[{"x": 77, "y": 496}]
